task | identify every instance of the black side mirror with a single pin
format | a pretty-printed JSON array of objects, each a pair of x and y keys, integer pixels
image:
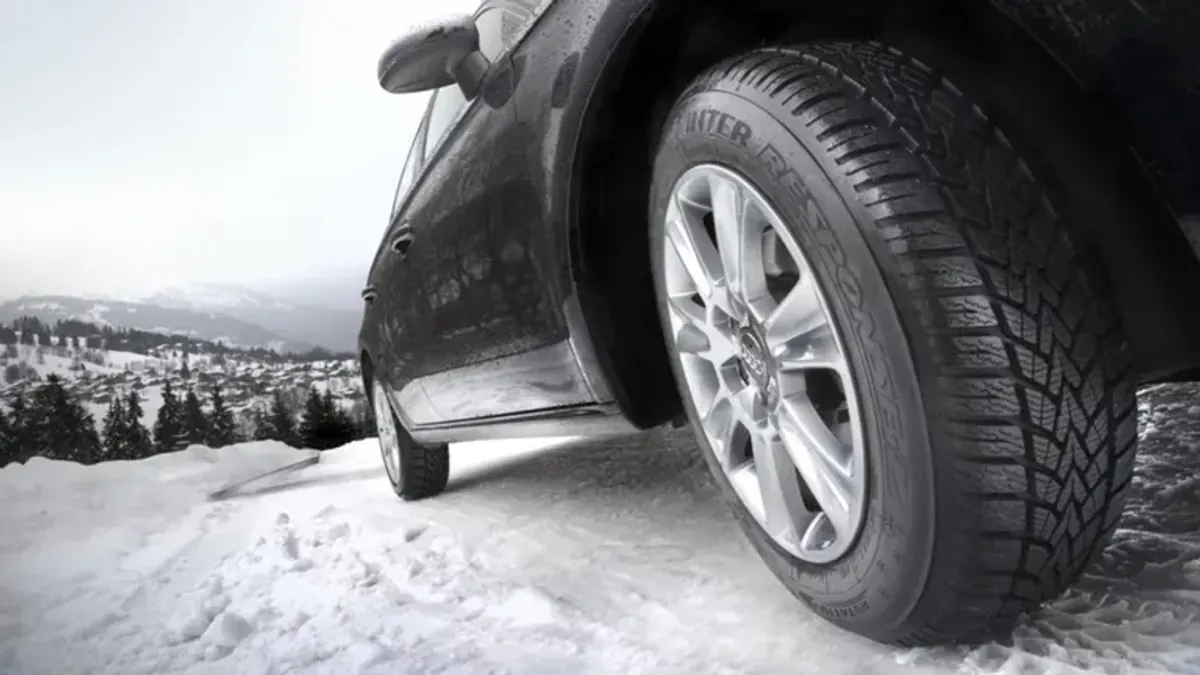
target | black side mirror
[{"x": 434, "y": 57}]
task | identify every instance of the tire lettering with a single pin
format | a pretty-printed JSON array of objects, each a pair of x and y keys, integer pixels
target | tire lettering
[{"x": 719, "y": 123}]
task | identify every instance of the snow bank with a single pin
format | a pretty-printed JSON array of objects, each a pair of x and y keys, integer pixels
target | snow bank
[{"x": 561, "y": 556}]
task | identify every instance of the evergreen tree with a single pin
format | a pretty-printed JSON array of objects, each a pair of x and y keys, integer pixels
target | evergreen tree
[
  {"x": 221, "y": 429},
  {"x": 314, "y": 421},
  {"x": 364, "y": 421},
  {"x": 280, "y": 422},
  {"x": 195, "y": 422},
  {"x": 168, "y": 425},
  {"x": 114, "y": 432},
  {"x": 20, "y": 449},
  {"x": 261, "y": 424},
  {"x": 341, "y": 427},
  {"x": 184, "y": 371},
  {"x": 324, "y": 425},
  {"x": 137, "y": 441},
  {"x": 60, "y": 427},
  {"x": 7, "y": 451}
]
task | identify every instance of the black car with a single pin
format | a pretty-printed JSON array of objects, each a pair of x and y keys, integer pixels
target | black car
[{"x": 901, "y": 265}]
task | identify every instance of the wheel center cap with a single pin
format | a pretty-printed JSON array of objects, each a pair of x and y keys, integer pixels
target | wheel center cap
[{"x": 752, "y": 354}]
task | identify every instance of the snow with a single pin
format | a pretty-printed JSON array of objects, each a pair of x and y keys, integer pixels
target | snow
[{"x": 544, "y": 556}]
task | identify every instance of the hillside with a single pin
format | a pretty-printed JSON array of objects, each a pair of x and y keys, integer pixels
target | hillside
[
  {"x": 330, "y": 320},
  {"x": 95, "y": 376},
  {"x": 97, "y": 364},
  {"x": 202, "y": 324}
]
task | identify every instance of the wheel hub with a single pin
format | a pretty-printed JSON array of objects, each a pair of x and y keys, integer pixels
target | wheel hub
[{"x": 756, "y": 366}]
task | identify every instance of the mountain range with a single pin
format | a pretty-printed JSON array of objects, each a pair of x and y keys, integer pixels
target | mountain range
[{"x": 284, "y": 319}]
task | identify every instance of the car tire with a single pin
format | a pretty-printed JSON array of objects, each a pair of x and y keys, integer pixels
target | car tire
[
  {"x": 414, "y": 471},
  {"x": 991, "y": 376}
]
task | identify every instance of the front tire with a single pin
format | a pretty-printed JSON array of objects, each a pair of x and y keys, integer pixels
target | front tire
[
  {"x": 989, "y": 402},
  {"x": 414, "y": 471}
]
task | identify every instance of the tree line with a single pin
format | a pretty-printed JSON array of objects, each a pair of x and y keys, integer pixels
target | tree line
[
  {"x": 29, "y": 330},
  {"x": 51, "y": 422}
]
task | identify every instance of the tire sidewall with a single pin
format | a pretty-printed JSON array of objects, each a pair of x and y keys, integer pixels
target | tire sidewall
[{"x": 878, "y": 582}]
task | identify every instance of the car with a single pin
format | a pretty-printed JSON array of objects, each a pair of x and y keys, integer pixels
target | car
[{"x": 902, "y": 267}]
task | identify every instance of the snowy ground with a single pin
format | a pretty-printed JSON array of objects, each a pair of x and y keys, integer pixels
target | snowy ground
[{"x": 613, "y": 556}]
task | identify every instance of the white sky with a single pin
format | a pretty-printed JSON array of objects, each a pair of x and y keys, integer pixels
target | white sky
[{"x": 154, "y": 142}]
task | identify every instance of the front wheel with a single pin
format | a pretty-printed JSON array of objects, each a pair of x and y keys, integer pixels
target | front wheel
[
  {"x": 898, "y": 350},
  {"x": 415, "y": 471}
]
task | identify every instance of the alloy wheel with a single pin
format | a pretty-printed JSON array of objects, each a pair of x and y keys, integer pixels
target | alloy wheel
[
  {"x": 389, "y": 439},
  {"x": 763, "y": 364}
]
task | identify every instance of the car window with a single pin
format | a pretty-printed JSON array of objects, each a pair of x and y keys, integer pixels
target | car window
[
  {"x": 412, "y": 163},
  {"x": 499, "y": 29},
  {"x": 490, "y": 24},
  {"x": 448, "y": 102}
]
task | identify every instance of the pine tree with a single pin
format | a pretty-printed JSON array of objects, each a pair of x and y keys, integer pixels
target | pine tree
[
  {"x": 114, "y": 432},
  {"x": 341, "y": 427},
  {"x": 60, "y": 426},
  {"x": 137, "y": 441},
  {"x": 221, "y": 430},
  {"x": 195, "y": 422},
  {"x": 280, "y": 422},
  {"x": 20, "y": 448},
  {"x": 184, "y": 371},
  {"x": 261, "y": 424},
  {"x": 168, "y": 425},
  {"x": 7, "y": 451},
  {"x": 364, "y": 421},
  {"x": 314, "y": 422}
]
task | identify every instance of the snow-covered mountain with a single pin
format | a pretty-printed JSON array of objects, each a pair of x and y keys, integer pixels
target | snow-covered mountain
[
  {"x": 203, "y": 324},
  {"x": 209, "y": 297},
  {"x": 329, "y": 320},
  {"x": 234, "y": 314}
]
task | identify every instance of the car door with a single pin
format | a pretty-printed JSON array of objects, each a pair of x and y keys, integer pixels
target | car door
[{"x": 447, "y": 302}]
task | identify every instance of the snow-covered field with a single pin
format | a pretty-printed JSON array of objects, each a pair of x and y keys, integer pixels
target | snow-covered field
[{"x": 565, "y": 556}]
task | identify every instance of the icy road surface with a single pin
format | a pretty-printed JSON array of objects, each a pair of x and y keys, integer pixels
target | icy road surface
[{"x": 612, "y": 556}]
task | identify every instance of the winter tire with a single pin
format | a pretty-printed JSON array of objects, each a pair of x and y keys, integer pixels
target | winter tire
[
  {"x": 897, "y": 347},
  {"x": 415, "y": 471}
]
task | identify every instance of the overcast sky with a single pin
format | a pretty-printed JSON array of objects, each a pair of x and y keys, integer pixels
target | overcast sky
[{"x": 153, "y": 142}]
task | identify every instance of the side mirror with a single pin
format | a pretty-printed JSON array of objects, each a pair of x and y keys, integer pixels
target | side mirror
[{"x": 434, "y": 57}]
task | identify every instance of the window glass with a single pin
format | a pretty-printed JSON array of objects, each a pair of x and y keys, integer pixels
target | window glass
[
  {"x": 490, "y": 24},
  {"x": 443, "y": 113},
  {"x": 411, "y": 164},
  {"x": 499, "y": 29},
  {"x": 510, "y": 29}
]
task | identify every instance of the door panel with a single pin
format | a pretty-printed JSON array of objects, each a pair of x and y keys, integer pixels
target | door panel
[{"x": 474, "y": 326}]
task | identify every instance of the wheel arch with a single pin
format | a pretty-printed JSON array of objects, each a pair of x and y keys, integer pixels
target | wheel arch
[
  {"x": 367, "y": 372},
  {"x": 993, "y": 56}
]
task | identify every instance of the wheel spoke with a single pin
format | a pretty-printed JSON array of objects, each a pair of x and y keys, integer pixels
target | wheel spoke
[
  {"x": 698, "y": 334},
  {"x": 746, "y": 407},
  {"x": 784, "y": 515},
  {"x": 821, "y": 460},
  {"x": 795, "y": 318},
  {"x": 818, "y": 350},
  {"x": 694, "y": 249},
  {"x": 728, "y": 209},
  {"x": 720, "y": 425}
]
